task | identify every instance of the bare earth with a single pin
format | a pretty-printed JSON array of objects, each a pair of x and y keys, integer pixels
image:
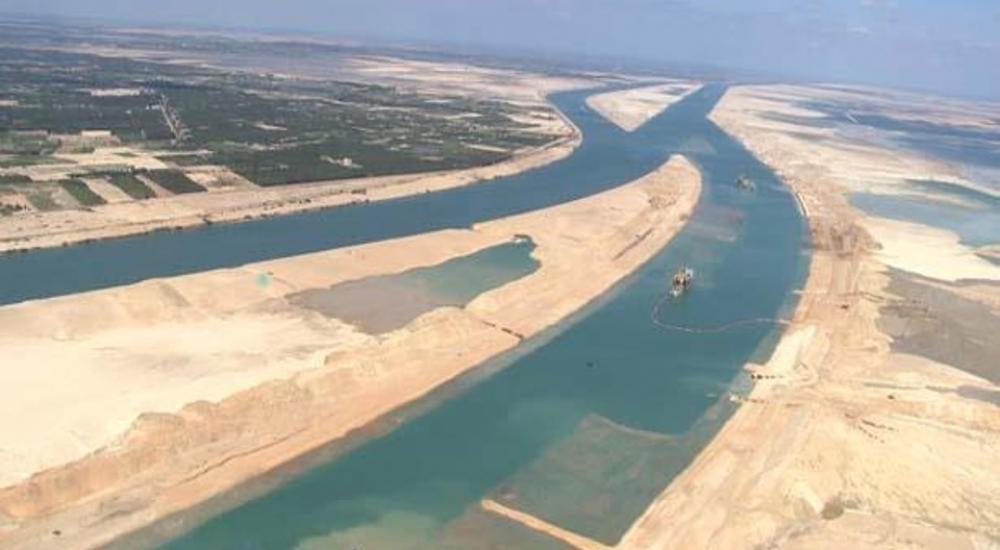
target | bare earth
[
  {"x": 450, "y": 78},
  {"x": 844, "y": 442},
  {"x": 165, "y": 379},
  {"x": 632, "y": 108}
]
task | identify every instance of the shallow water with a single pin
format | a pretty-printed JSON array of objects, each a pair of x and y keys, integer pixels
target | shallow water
[
  {"x": 387, "y": 302},
  {"x": 969, "y": 146},
  {"x": 973, "y": 215},
  {"x": 583, "y": 425}
]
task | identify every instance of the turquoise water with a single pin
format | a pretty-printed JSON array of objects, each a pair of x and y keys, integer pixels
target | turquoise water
[
  {"x": 461, "y": 279},
  {"x": 607, "y": 157},
  {"x": 388, "y": 302},
  {"x": 976, "y": 219},
  {"x": 583, "y": 425},
  {"x": 973, "y": 214}
]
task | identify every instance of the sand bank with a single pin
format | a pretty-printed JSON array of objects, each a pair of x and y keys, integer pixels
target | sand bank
[
  {"x": 542, "y": 526},
  {"x": 843, "y": 442},
  {"x": 928, "y": 251},
  {"x": 244, "y": 202},
  {"x": 198, "y": 338},
  {"x": 631, "y": 108}
]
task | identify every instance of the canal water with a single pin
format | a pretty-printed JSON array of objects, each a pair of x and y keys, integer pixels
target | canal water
[
  {"x": 606, "y": 158},
  {"x": 973, "y": 215},
  {"x": 582, "y": 426}
]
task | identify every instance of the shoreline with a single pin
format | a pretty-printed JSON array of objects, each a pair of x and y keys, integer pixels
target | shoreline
[
  {"x": 27, "y": 232},
  {"x": 702, "y": 485},
  {"x": 67, "y": 496},
  {"x": 829, "y": 447},
  {"x": 631, "y": 108}
]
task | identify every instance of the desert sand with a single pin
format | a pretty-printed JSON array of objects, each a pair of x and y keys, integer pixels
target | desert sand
[
  {"x": 631, "y": 108},
  {"x": 155, "y": 415},
  {"x": 464, "y": 78},
  {"x": 928, "y": 251},
  {"x": 843, "y": 442},
  {"x": 856, "y": 157},
  {"x": 238, "y": 202}
]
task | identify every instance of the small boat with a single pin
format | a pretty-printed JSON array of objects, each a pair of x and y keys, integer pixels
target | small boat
[
  {"x": 745, "y": 183},
  {"x": 681, "y": 281}
]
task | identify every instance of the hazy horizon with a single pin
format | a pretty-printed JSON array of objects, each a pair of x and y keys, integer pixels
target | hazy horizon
[{"x": 917, "y": 44}]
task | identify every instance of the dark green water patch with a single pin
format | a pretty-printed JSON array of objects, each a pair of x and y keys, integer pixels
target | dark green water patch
[
  {"x": 599, "y": 479},
  {"x": 942, "y": 326},
  {"x": 388, "y": 302}
]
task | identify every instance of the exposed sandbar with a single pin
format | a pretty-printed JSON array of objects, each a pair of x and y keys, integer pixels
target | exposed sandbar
[
  {"x": 928, "y": 251},
  {"x": 631, "y": 108}
]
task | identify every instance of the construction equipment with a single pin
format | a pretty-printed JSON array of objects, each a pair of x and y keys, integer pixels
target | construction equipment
[
  {"x": 744, "y": 183},
  {"x": 681, "y": 281}
]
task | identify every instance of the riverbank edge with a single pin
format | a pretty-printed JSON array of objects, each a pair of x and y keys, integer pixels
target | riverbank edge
[
  {"x": 701, "y": 484},
  {"x": 740, "y": 491},
  {"x": 272, "y": 457},
  {"x": 295, "y": 198}
]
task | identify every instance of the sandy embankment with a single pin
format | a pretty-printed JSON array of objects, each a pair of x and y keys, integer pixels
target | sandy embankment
[
  {"x": 50, "y": 229},
  {"x": 186, "y": 343},
  {"x": 631, "y": 108},
  {"x": 843, "y": 442}
]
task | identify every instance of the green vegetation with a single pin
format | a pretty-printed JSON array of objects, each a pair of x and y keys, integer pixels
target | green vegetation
[
  {"x": 52, "y": 94},
  {"x": 132, "y": 186},
  {"x": 28, "y": 160},
  {"x": 83, "y": 194},
  {"x": 28, "y": 144},
  {"x": 42, "y": 200},
  {"x": 174, "y": 181},
  {"x": 286, "y": 132},
  {"x": 193, "y": 159},
  {"x": 7, "y": 179},
  {"x": 9, "y": 209},
  {"x": 271, "y": 130}
]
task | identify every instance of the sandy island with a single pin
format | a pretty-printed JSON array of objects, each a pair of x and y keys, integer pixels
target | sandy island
[
  {"x": 151, "y": 417},
  {"x": 847, "y": 440},
  {"x": 631, "y": 108}
]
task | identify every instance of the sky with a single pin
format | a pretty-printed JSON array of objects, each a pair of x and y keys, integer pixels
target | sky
[{"x": 945, "y": 46}]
